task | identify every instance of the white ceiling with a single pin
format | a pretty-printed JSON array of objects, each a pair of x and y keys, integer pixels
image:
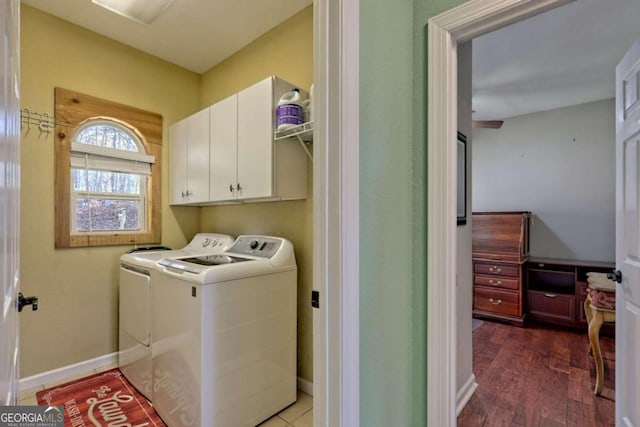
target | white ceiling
[
  {"x": 195, "y": 34},
  {"x": 563, "y": 57}
]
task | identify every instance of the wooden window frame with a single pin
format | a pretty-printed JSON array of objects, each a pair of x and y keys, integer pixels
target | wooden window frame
[{"x": 73, "y": 108}]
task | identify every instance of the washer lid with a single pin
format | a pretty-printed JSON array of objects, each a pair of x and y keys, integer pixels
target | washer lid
[
  {"x": 215, "y": 259},
  {"x": 201, "y": 264}
]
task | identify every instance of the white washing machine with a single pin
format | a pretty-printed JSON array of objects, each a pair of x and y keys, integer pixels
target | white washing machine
[
  {"x": 224, "y": 334},
  {"x": 134, "y": 355}
]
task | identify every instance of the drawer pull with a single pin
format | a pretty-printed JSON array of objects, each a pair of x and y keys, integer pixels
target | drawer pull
[
  {"x": 495, "y": 269},
  {"x": 497, "y": 282},
  {"x": 550, "y": 295},
  {"x": 495, "y": 302}
]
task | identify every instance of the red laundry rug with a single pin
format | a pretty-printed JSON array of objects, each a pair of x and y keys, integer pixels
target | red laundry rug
[{"x": 105, "y": 399}]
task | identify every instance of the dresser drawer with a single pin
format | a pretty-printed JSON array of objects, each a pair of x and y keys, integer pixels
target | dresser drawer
[
  {"x": 497, "y": 282},
  {"x": 496, "y": 269},
  {"x": 550, "y": 306},
  {"x": 496, "y": 301}
]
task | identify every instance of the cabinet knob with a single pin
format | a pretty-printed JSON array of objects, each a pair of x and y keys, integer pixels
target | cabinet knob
[
  {"x": 231, "y": 188},
  {"x": 239, "y": 187}
]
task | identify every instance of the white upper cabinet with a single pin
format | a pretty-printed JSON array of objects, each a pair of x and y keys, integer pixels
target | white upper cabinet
[
  {"x": 178, "y": 162},
  {"x": 189, "y": 159},
  {"x": 242, "y": 160},
  {"x": 255, "y": 140},
  {"x": 224, "y": 149},
  {"x": 198, "y": 157}
]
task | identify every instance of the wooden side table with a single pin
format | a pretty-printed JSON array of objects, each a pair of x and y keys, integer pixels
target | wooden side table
[{"x": 599, "y": 307}]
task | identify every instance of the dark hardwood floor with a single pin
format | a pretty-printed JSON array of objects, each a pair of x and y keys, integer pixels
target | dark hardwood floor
[{"x": 538, "y": 376}]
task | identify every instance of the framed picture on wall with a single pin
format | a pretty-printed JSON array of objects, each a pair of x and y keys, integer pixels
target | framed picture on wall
[{"x": 462, "y": 179}]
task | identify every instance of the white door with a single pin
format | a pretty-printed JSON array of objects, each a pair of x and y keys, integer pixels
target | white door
[
  {"x": 9, "y": 198},
  {"x": 224, "y": 149},
  {"x": 628, "y": 238}
]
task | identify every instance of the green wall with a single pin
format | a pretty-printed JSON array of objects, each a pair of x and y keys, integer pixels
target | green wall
[
  {"x": 386, "y": 214},
  {"x": 392, "y": 210}
]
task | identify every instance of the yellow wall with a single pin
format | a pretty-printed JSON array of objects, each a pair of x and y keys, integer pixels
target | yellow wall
[
  {"x": 78, "y": 314},
  {"x": 285, "y": 51},
  {"x": 78, "y": 288}
]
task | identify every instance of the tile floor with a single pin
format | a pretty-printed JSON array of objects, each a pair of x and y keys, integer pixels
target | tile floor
[{"x": 300, "y": 414}]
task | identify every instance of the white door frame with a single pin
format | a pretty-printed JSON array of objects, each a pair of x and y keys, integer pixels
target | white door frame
[
  {"x": 445, "y": 31},
  {"x": 336, "y": 359}
]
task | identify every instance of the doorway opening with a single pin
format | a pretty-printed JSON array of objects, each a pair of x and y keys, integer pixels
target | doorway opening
[{"x": 450, "y": 29}]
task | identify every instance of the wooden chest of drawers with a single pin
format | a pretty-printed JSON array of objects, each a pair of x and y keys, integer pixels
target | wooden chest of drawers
[
  {"x": 500, "y": 250},
  {"x": 497, "y": 290}
]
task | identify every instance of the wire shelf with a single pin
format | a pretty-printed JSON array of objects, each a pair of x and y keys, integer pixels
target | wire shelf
[{"x": 303, "y": 133}]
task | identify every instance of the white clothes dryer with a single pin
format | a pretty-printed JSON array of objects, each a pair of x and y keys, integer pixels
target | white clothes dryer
[
  {"x": 134, "y": 355},
  {"x": 224, "y": 334}
]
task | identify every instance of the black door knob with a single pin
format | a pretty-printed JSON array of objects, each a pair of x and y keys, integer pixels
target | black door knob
[
  {"x": 23, "y": 301},
  {"x": 615, "y": 275}
]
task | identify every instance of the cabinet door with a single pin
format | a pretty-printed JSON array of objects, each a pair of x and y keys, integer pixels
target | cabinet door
[
  {"x": 224, "y": 149},
  {"x": 178, "y": 163},
  {"x": 552, "y": 307},
  {"x": 198, "y": 157},
  {"x": 255, "y": 140}
]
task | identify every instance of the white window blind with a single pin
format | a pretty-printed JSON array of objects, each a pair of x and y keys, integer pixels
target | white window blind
[{"x": 98, "y": 158}]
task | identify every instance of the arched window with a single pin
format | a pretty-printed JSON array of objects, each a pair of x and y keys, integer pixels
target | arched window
[{"x": 109, "y": 171}]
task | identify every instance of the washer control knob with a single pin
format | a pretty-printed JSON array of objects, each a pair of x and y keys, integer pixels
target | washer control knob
[{"x": 254, "y": 244}]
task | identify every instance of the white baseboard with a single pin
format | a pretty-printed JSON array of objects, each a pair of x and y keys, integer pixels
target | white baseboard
[
  {"x": 305, "y": 386},
  {"x": 67, "y": 371},
  {"x": 465, "y": 393},
  {"x": 106, "y": 360}
]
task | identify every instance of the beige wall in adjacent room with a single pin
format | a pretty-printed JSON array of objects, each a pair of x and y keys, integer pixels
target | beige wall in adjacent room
[
  {"x": 78, "y": 288},
  {"x": 285, "y": 51},
  {"x": 560, "y": 165}
]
